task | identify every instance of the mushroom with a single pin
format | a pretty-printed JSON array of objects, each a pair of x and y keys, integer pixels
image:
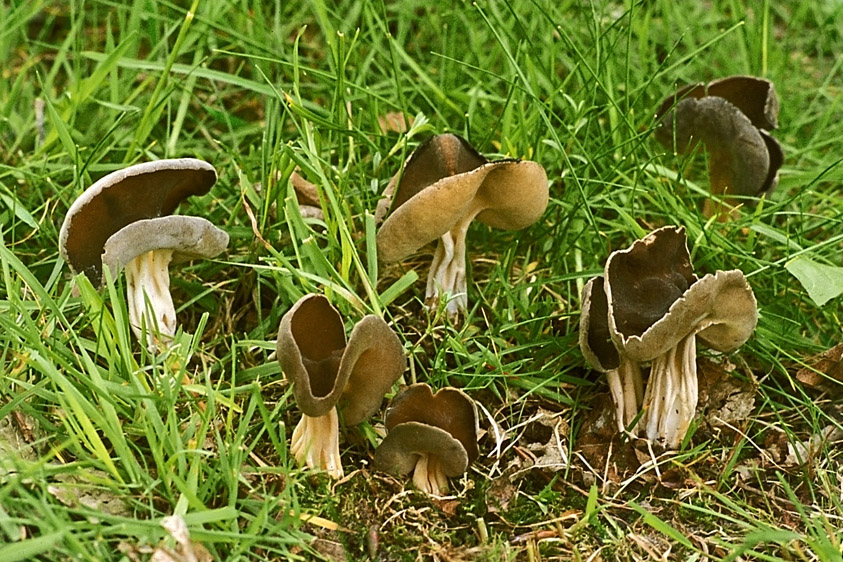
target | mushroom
[
  {"x": 123, "y": 221},
  {"x": 446, "y": 184},
  {"x": 432, "y": 436},
  {"x": 657, "y": 308},
  {"x": 623, "y": 374},
  {"x": 731, "y": 116},
  {"x": 330, "y": 375}
]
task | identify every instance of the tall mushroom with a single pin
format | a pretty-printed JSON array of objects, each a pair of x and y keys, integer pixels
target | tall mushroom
[
  {"x": 731, "y": 117},
  {"x": 444, "y": 186},
  {"x": 657, "y": 308},
  {"x": 123, "y": 221},
  {"x": 434, "y": 436},
  {"x": 330, "y": 375}
]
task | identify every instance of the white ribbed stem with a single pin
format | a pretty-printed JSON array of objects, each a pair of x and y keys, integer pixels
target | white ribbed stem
[
  {"x": 429, "y": 475},
  {"x": 316, "y": 443},
  {"x": 626, "y": 387},
  {"x": 148, "y": 279},
  {"x": 448, "y": 270},
  {"x": 672, "y": 391}
]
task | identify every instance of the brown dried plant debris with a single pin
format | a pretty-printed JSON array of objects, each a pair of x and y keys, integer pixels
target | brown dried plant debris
[{"x": 824, "y": 372}]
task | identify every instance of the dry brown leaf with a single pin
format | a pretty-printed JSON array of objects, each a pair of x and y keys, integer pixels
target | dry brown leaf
[
  {"x": 394, "y": 122},
  {"x": 186, "y": 550},
  {"x": 824, "y": 370}
]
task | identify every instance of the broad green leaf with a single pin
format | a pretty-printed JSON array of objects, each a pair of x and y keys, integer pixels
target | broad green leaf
[{"x": 822, "y": 282}]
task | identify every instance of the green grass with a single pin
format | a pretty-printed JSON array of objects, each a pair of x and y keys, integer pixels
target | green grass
[{"x": 259, "y": 88}]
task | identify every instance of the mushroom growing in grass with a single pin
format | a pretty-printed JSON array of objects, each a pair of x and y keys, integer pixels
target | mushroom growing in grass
[
  {"x": 125, "y": 221},
  {"x": 658, "y": 308},
  {"x": 331, "y": 375},
  {"x": 444, "y": 186},
  {"x": 622, "y": 374},
  {"x": 731, "y": 117},
  {"x": 432, "y": 436}
]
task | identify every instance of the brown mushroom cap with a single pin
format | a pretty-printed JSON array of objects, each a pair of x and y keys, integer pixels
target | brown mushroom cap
[
  {"x": 323, "y": 369},
  {"x": 187, "y": 237},
  {"x": 399, "y": 452},
  {"x": 449, "y": 409},
  {"x": 643, "y": 281},
  {"x": 729, "y": 116},
  {"x": 443, "y": 180},
  {"x": 720, "y": 308},
  {"x": 142, "y": 191},
  {"x": 594, "y": 335}
]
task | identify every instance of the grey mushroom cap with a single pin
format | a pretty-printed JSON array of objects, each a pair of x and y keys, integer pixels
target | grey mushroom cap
[
  {"x": 327, "y": 372},
  {"x": 444, "y": 181},
  {"x": 400, "y": 450},
  {"x": 595, "y": 338},
  {"x": 143, "y": 191},
  {"x": 187, "y": 237},
  {"x": 449, "y": 409},
  {"x": 731, "y": 117},
  {"x": 719, "y": 308}
]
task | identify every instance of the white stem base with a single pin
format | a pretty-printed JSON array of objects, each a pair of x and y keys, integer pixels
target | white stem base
[
  {"x": 316, "y": 443},
  {"x": 429, "y": 476},
  {"x": 148, "y": 278},
  {"x": 672, "y": 392}
]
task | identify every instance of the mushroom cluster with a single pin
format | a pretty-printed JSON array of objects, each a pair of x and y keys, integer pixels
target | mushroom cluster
[
  {"x": 731, "y": 117},
  {"x": 330, "y": 375},
  {"x": 125, "y": 221},
  {"x": 649, "y": 306},
  {"x": 444, "y": 186},
  {"x": 434, "y": 436}
]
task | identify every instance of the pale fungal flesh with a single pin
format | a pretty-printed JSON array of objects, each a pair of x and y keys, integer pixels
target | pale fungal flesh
[
  {"x": 148, "y": 298},
  {"x": 429, "y": 475},
  {"x": 316, "y": 443}
]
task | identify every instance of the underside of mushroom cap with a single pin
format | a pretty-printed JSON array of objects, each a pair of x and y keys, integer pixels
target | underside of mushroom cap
[
  {"x": 594, "y": 335},
  {"x": 643, "y": 281},
  {"x": 142, "y": 191},
  {"x": 400, "y": 450},
  {"x": 449, "y": 409},
  {"x": 373, "y": 360},
  {"x": 187, "y": 237},
  {"x": 311, "y": 341},
  {"x": 448, "y": 181},
  {"x": 720, "y": 308}
]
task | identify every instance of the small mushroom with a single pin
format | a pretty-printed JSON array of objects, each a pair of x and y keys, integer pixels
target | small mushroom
[
  {"x": 330, "y": 375},
  {"x": 731, "y": 116},
  {"x": 444, "y": 186},
  {"x": 623, "y": 374},
  {"x": 432, "y": 436},
  {"x": 657, "y": 308},
  {"x": 123, "y": 221}
]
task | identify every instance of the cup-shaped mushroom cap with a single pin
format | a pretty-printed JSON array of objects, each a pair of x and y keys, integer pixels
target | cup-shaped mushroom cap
[
  {"x": 325, "y": 371},
  {"x": 643, "y": 281},
  {"x": 445, "y": 180},
  {"x": 729, "y": 116},
  {"x": 594, "y": 336},
  {"x": 142, "y": 191},
  {"x": 187, "y": 237},
  {"x": 754, "y": 97},
  {"x": 654, "y": 300},
  {"x": 418, "y": 422}
]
